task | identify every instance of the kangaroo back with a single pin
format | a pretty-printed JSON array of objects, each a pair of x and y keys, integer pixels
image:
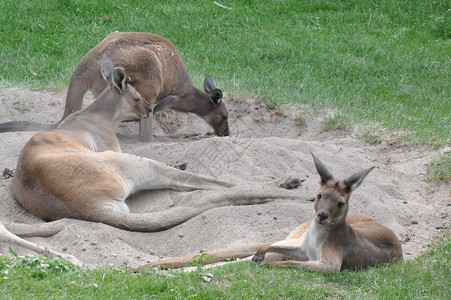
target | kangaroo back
[{"x": 155, "y": 69}]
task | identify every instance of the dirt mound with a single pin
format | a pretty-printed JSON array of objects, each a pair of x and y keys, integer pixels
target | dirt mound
[{"x": 265, "y": 147}]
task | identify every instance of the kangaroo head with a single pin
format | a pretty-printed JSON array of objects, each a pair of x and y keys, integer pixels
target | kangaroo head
[
  {"x": 332, "y": 202},
  {"x": 131, "y": 100},
  {"x": 215, "y": 114}
]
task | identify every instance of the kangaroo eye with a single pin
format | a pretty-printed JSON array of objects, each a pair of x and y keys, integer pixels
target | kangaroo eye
[
  {"x": 319, "y": 196},
  {"x": 137, "y": 99},
  {"x": 340, "y": 204},
  {"x": 224, "y": 118}
]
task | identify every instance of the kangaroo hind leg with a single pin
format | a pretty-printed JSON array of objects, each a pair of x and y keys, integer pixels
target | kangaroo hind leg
[
  {"x": 143, "y": 173},
  {"x": 12, "y": 239}
]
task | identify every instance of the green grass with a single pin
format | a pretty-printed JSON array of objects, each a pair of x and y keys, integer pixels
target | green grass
[
  {"x": 374, "y": 61},
  {"x": 381, "y": 63},
  {"x": 440, "y": 169},
  {"x": 428, "y": 277}
]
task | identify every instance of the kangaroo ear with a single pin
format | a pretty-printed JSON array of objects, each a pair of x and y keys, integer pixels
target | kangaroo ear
[
  {"x": 216, "y": 96},
  {"x": 356, "y": 180},
  {"x": 209, "y": 86},
  {"x": 119, "y": 78},
  {"x": 322, "y": 171},
  {"x": 106, "y": 66}
]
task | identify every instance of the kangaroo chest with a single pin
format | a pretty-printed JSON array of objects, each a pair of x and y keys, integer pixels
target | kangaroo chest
[{"x": 313, "y": 240}]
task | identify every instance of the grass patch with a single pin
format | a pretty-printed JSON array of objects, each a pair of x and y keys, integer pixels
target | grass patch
[
  {"x": 371, "y": 138},
  {"x": 336, "y": 123},
  {"x": 300, "y": 120},
  {"x": 375, "y": 61},
  {"x": 35, "y": 278},
  {"x": 440, "y": 169}
]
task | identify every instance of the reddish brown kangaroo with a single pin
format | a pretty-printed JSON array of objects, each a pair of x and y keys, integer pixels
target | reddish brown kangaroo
[
  {"x": 331, "y": 242},
  {"x": 155, "y": 68}
]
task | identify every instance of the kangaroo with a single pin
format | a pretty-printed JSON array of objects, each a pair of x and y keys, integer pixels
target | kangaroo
[
  {"x": 78, "y": 171},
  {"x": 332, "y": 241},
  {"x": 155, "y": 69}
]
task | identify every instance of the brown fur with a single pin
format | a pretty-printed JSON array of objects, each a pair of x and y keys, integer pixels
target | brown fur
[
  {"x": 78, "y": 171},
  {"x": 331, "y": 242},
  {"x": 155, "y": 69}
]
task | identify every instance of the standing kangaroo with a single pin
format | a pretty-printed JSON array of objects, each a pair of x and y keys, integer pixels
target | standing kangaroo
[
  {"x": 155, "y": 69},
  {"x": 78, "y": 170},
  {"x": 331, "y": 242}
]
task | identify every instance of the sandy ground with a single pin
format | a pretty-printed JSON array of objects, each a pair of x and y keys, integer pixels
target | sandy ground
[{"x": 266, "y": 147}]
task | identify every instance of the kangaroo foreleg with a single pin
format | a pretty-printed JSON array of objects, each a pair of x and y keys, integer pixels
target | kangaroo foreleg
[
  {"x": 145, "y": 129},
  {"x": 331, "y": 260},
  {"x": 14, "y": 240},
  {"x": 292, "y": 248}
]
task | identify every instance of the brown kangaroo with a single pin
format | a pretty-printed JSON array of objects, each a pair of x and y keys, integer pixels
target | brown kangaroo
[
  {"x": 155, "y": 69},
  {"x": 331, "y": 242},
  {"x": 78, "y": 170}
]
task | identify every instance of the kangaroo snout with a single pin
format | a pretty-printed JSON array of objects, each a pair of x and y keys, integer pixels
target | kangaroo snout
[
  {"x": 321, "y": 217},
  {"x": 225, "y": 132}
]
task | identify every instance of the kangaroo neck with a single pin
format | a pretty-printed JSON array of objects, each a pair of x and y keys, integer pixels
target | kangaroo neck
[
  {"x": 92, "y": 127},
  {"x": 191, "y": 101},
  {"x": 106, "y": 105},
  {"x": 321, "y": 233}
]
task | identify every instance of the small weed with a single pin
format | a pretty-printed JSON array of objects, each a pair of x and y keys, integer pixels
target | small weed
[
  {"x": 300, "y": 120},
  {"x": 199, "y": 259},
  {"x": 336, "y": 123},
  {"x": 440, "y": 168},
  {"x": 371, "y": 138}
]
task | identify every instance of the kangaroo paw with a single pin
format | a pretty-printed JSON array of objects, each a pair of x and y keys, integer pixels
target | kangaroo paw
[{"x": 259, "y": 256}]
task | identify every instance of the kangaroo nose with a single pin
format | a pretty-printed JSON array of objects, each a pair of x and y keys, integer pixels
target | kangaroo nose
[
  {"x": 322, "y": 216},
  {"x": 226, "y": 132}
]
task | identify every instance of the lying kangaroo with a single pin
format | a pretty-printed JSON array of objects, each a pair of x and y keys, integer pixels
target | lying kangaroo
[
  {"x": 331, "y": 242},
  {"x": 155, "y": 69},
  {"x": 78, "y": 170}
]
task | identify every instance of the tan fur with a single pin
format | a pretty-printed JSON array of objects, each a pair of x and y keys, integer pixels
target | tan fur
[
  {"x": 331, "y": 242},
  {"x": 155, "y": 69},
  {"x": 77, "y": 170}
]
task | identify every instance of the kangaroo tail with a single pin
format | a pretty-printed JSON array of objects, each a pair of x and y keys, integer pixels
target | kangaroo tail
[
  {"x": 210, "y": 257},
  {"x": 26, "y": 126}
]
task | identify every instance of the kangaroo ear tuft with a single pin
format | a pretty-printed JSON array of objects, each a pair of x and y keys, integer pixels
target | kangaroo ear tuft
[
  {"x": 209, "y": 86},
  {"x": 106, "y": 66},
  {"x": 322, "y": 171},
  {"x": 119, "y": 78},
  {"x": 216, "y": 96},
  {"x": 356, "y": 180}
]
